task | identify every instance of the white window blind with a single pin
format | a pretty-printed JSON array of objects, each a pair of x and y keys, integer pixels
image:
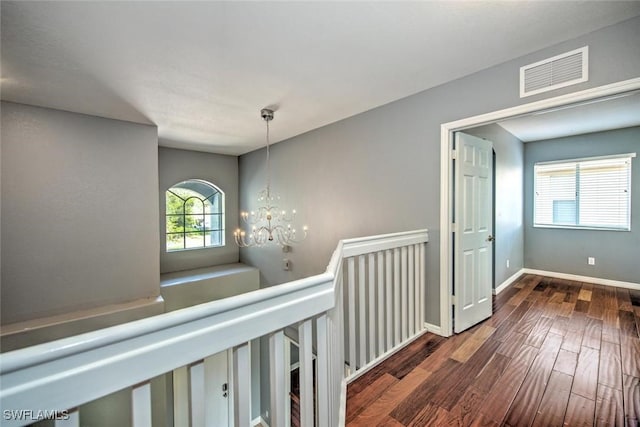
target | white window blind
[{"x": 584, "y": 193}]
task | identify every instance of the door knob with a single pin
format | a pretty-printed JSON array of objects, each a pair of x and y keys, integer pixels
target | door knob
[{"x": 490, "y": 238}]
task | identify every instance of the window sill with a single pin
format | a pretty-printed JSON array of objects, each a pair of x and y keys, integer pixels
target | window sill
[
  {"x": 569, "y": 227},
  {"x": 171, "y": 251}
]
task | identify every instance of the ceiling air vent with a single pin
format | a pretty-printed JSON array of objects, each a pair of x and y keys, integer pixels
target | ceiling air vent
[{"x": 562, "y": 70}]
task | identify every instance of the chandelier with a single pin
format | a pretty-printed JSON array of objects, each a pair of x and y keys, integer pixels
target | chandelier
[{"x": 268, "y": 224}]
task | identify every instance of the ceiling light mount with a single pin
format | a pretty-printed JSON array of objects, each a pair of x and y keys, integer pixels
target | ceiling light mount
[{"x": 266, "y": 114}]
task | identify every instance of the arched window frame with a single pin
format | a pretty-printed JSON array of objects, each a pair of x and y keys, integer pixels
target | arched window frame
[{"x": 208, "y": 220}]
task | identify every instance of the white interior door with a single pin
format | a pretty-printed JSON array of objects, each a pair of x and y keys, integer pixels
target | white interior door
[
  {"x": 201, "y": 394},
  {"x": 216, "y": 372},
  {"x": 473, "y": 256}
]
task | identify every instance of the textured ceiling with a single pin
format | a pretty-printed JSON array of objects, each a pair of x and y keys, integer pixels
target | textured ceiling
[{"x": 201, "y": 71}]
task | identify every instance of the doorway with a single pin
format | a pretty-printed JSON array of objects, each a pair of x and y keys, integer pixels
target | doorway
[{"x": 447, "y": 253}]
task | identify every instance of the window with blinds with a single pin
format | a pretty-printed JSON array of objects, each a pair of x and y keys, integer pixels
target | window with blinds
[{"x": 592, "y": 193}]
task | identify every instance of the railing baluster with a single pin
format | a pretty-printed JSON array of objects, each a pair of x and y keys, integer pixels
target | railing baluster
[
  {"x": 323, "y": 392},
  {"x": 418, "y": 284},
  {"x": 196, "y": 387},
  {"x": 241, "y": 385},
  {"x": 351, "y": 306},
  {"x": 403, "y": 291},
  {"x": 396, "y": 296},
  {"x": 371, "y": 306},
  {"x": 305, "y": 335},
  {"x": 141, "y": 405},
  {"x": 338, "y": 351},
  {"x": 380, "y": 280},
  {"x": 411, "y": 321},
  {"x": 72, "y": 419},
  {"x": 362, "y": 314},
  {"x": 422, "y": 285},
  {"x": 389, "y": 287},
  {"x": 181, "y": 396},
  {"x": 276, "y": 379},
  {"x": 287, "y": 382}
]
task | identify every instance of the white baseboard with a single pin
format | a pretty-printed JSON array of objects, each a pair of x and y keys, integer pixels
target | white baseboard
[
  {"x": 596, "y": 280},
  {"x": 507, "y": 282},
  {"x": 433, "y": 329},
  {"x": 259, "y": 420}
]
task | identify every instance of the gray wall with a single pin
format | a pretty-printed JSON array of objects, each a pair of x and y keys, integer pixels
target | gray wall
[
  {"x": 379, "y": 171},
  {"x": 180, "y": 165},
  {"x": 566, "y": 251},
  {"x": 509, "y": 233},
  {"x": 79, "y": 212}
]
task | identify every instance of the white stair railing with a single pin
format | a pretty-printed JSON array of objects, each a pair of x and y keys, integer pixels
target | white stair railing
[
  {"x": 383, "y": 300},
  {"x": 385, "y": 296}
]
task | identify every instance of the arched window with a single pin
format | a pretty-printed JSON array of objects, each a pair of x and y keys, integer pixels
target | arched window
[{"x": 195, "y": 215}]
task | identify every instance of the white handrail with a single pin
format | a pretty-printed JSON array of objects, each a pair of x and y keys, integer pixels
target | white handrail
[
  {"x": 46, "y": 352},
  {"x": 365, "y": 245},
  {"x": 75, "y": 370}
]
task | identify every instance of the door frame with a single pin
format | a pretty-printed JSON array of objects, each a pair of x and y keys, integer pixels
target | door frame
[{"x": 446, "y": 175}]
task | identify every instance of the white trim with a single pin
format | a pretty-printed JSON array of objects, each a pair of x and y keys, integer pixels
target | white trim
[
  {"x": 557, "y": 101},
  {"x": 509, "y": 281},
  {"x": 259, "y": 420},
  {"x": 588, "y": 279},
  {"x": 446, "y": 229},
  {"x": 446, "y": 138},
  {"x": 430, "y": 327}
]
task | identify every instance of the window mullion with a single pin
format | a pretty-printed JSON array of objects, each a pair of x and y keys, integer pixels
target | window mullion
[{"x": 184, "y": 224}]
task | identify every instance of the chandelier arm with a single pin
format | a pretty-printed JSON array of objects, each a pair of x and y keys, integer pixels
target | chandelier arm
[
  {"x": 240, "y": 241},
  {"x": 288, "y": 236}
]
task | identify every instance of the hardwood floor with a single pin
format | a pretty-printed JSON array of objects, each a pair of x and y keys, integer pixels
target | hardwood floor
[{"x": 554, "y": 353}]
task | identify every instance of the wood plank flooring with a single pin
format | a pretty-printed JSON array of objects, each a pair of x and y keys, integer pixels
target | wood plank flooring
[{"x": 554, "y": 353}]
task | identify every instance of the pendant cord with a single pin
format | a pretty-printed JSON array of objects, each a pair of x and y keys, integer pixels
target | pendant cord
[{"x": 268, "y": 163}]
